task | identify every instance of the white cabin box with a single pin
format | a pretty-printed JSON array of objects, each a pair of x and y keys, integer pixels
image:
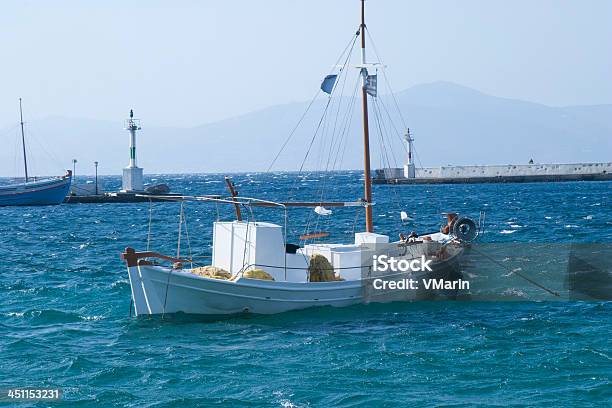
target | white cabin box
[
  {"x": 241, "y": 245},
  {"x": 370, "y": 238},
  {"x": 347, "y": 259}
]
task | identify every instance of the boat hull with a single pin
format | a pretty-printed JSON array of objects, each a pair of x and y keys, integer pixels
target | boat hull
[
  {"x": 161, "y": 290},
  {"x": 44, "y": 192}
]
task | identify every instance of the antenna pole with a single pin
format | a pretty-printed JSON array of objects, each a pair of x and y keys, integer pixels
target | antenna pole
[
  {"x": 366, "y": 132},
  {"x": 25, "y": 159}
]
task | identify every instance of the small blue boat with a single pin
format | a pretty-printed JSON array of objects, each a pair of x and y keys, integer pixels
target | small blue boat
[{"x": 49, "y": 191}]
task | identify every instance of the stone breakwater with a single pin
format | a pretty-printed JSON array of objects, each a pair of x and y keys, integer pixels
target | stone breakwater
[{"x": 497, "y": 173}]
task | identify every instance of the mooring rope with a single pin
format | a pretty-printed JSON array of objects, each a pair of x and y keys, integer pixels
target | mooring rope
[{"x": 514, "y": 271}]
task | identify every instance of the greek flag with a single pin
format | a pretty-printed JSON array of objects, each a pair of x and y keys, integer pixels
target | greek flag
[
  {"x": 328, "y": 83},
  {"x": 370, "y": 85}
]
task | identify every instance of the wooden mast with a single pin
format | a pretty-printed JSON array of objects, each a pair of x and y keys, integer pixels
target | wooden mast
[
  {"x": 366, "y": 132},
  {"x": 25, "y": 159}
]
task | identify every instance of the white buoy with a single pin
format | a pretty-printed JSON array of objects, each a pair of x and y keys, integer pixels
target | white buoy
[{"x": 132, "y": 174}]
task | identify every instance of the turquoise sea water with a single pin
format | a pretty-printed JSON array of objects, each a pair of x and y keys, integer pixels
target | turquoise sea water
[{"x": 65, "y": 303}]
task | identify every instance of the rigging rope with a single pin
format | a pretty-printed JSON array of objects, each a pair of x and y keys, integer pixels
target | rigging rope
[
  {"x": 386, "y": 79},
  {"x": 180, "y": 226},
  {"x": 322, "y": 122},
  {"x": 328, "y": 101},
  {"x": 350, "y": 44},
  {"x": 382, "y": 131},
  {"x": 345, "y": 125},
  {"x": 393, "y": 96},
  {"x": 32, "y": 136},
  {"x": 334, "y": 137},
  {"x": 348, "y": 120},
  {"x": 178, "y": 255},
  {"x": 187, "y": 236},
  {"x": 293, "y": 131}
]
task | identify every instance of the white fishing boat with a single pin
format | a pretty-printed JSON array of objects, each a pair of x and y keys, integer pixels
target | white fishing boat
[
  {"x": 254, "y": 269},
  {"x": 242, "y": 246}
]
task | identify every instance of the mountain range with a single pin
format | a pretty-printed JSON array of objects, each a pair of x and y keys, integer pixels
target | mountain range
[{"x": 451, "y": 124}]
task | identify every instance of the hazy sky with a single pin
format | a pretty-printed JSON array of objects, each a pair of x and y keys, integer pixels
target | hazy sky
[{"x": 184, "y": 63}]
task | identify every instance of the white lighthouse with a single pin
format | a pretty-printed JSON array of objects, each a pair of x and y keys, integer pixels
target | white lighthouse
[
  {"x": 409, "y": 169},
  {"x": 132, "y": 174}
]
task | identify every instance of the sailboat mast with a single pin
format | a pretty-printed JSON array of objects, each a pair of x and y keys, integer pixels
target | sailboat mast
[
  {"x": 25, "y": 159},
  {"x": 366, "y": 132}
]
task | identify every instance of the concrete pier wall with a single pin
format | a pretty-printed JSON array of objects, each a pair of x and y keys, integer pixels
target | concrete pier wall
[
  {"x": 499, "y": 173},
  {"x": 513, "y": 170}
]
